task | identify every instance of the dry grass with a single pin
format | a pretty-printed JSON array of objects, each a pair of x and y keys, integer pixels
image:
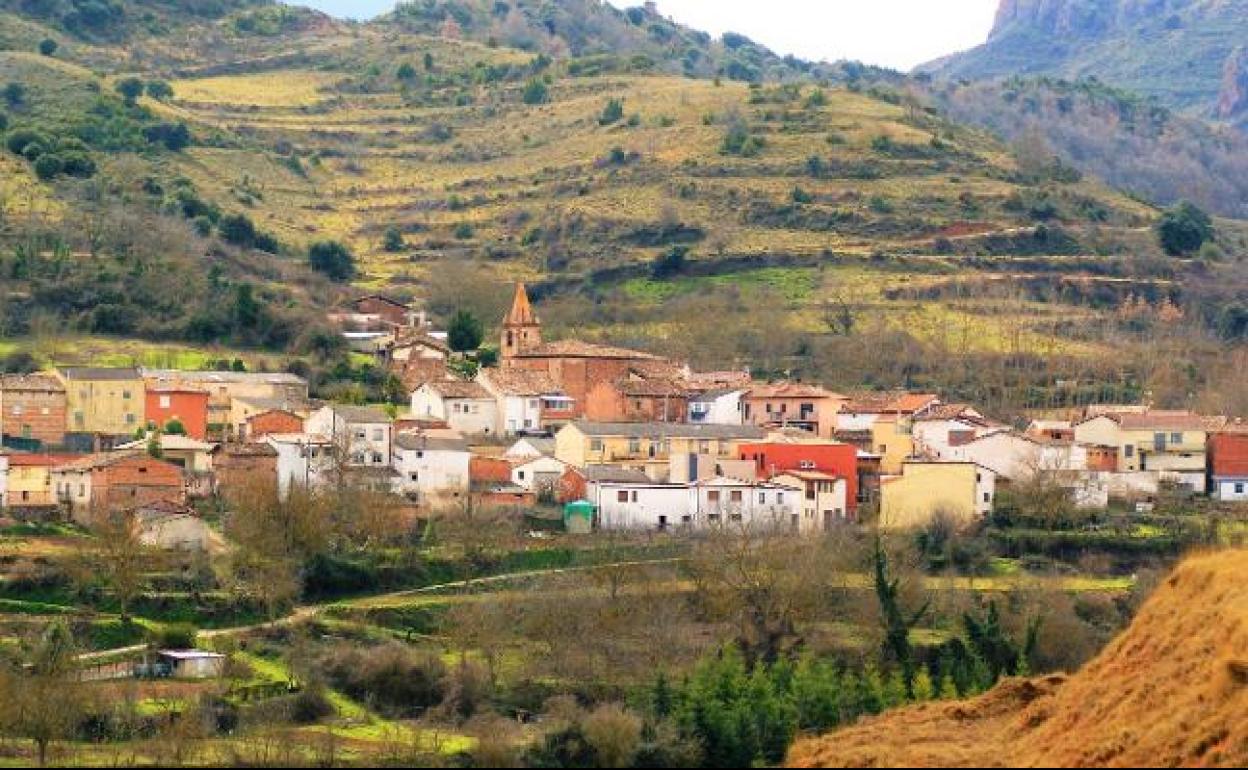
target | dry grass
[{"x": 1170, "y": 691}]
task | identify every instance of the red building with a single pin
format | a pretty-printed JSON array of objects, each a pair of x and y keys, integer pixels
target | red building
[
  {"x": 776, "y": 457},
  {"x": 1228, "y": 464},
  {"x": 185, "y": 405}
]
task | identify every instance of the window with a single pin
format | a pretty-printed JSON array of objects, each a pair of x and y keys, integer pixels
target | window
[
  {"x": 634, "y": 496},
  {"x": 762, "y": 498},
  {"x": 662, "y": 523},
  {"x": 737, "y": 496},
  {"x": 704, "y": 447},
  {"x": 1176, "y": 438},
  {"x": 361, "y": 434},
  {"x": 130, "y": 419},
  {"x": 520, "y": 475},
  {"x": 125, "y": 394},
  {"x": 806, "y": 465},
  {"x": 713, "y": 518},
  {"x": 779, "y": 498},
  {"x": 1129, "y": 450},
  {"x": 414, "y": 476},
  {"x": 621, "y": 497},
  {"x": 378, "y": 458},
  {"x": 595, "y": 445},
  {"x": 634, "y": 446},
  {"x": 736, "y": 517},
  {"x": 17, "y": 410},
  {"x": 987, "y": 497},
  {"x": 712, "y": 496},
  {"x": 166, "y": 402},
  {"x": 379, "y": 434},
  {"x": 535, "y": 404},
  {"x": 1239, "y": 488}
]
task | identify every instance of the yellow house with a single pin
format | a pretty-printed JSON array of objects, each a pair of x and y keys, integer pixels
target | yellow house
[
  {"x": 648, "y": 446},
  {"x": 111, "y": 402},
  {"x": 962, "y": 490},
  {"x": 892, "y": 441},
  {"x": 30, "y": 479},
  {"x": 1172, "y": 444}
]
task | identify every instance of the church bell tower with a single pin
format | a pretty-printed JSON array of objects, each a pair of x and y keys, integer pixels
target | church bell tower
[{"x": 521, "y": 328}]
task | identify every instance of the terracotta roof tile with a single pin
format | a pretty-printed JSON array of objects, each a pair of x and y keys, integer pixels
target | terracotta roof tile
[
  {"x": 522, "y": 382},
  {"x": 579, "y": 349}
]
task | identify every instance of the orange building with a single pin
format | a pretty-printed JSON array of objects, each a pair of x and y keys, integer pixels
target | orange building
[
  {"x": 33, "y": 406},
  {"x": 185, "y": 405},
  {"x": 240, "y": 466},
  {"x": 117, "y": 481},
  {"x": 274, "y": 421},
  {"x": 638, "y": 400},
  {"x": 796, "y": 405}
]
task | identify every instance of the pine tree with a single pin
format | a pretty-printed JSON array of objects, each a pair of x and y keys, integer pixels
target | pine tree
[{"x": 924, "y": 689}]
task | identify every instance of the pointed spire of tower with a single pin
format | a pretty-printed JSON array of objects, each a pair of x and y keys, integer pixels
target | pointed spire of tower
[
  {"x": 521, "y": 328},
  {"x": 521, "y": 310}
]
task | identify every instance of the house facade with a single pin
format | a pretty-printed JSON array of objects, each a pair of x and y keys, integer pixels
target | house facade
[
  {"x": 432, "y": 467},
  {"x": 540, "y": 475},
  {"x": 949, "y": 426},
  {"x": 648, "y": 446},
  {"x": 365, "y": 435},
  {"x": 304, "y": 460},
  {"x": 244, "y": 410},
  {"x": 698, "y": 506},
  {"x": 187, "y": 406},
  {"x": 223, "y": 387},
  {"x": 116, "y": 481},
  {"x": 257, "y": 426},
  {"x": 33, "y": 408},
  {"x": 633, "y": 399},
  {"x": 824, "y": 499},
  {"x": 793, "y": 405},
  {"x": 30, "y": 479},
  {"x": 776, "y": 457},
  {"x": 963, "y": 491},
  {"x": 103, "y": 402},
  {"x": 722, "y": 406},
  {"x": 1172, "y": 444},
  {"x": 465, "y": 407},
  {"x": 1019, "y": 457},
  {"x": 526, "y": 401},
  {"x": 1228, "y": 465},
  {"x": 238, "y": 467}
]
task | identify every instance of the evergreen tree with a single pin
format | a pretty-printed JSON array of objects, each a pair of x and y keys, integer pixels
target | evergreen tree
[
  {"x": 332, "y": 259},
  {"x": 48, "y": 46},
  {"x": 1184, "y": 229},
  {"x": 465, "y": 332},
  {"x": 897, "y": 623},
  {"x": 131, "y": 89}
]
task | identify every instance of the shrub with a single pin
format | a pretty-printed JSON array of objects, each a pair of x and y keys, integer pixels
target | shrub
[
  {"x": 332, "y": 259},
  {"x": 671, "y": 262},
  {"x": 611, "y": 113},
  {"x": 237, "y": 229},
  {"x": 49, "y": 166},
  {"x": 739, "y": 141},
  {"x": 175, "y": 636},
  {"x": 311, "y": 706},
  {"x": 405, "y": 71},
  {"x": 159, "y": 90},
  {"x": 393, "y": 240},
  {"x": 174, "y": 136},
  {"x": 48, "y": 46},
  {"x": 465, "y": 332},
  {"x": 463, "y": 231},
  {"x": 130, "y": 89},
  {"x": 536, "y": 92},
  {"x": 397, "y": 681},
  {"x": 14, "y": 94},
  {"x": 18, "y": 141},
  {"x": 78, "y": 164},
  {"x": 1184, "y": 229}
]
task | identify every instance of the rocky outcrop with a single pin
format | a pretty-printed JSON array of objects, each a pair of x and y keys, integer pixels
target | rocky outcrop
[{"x": 1233, "y": 98}]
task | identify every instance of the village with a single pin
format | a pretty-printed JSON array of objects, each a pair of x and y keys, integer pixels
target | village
[{"x": 614, "y": 439}]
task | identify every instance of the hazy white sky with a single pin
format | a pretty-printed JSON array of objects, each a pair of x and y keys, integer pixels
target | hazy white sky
[{"x": 893, "y": 33}]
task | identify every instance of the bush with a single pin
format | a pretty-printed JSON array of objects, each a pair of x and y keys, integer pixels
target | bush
[
  {"x": 1184, "y": 229},
  {"x": 611, "y": 113},
  {"x": 18, "y": 141},
  {"x": 237, "y": 229},
  {"x": 159, "y": 90},
  {"x": 536, "y": 92},
  {"x": 332, "y": 259},
  {"x": 49, "y": 167},
  {"x": 670, "y": 263},
  {"x": 14, "y": 94},
  {"x": 739, "y": 141},
  {"x": 174, "y": 136},
  {"x": 393, "y": 240},
  {"x": 47, "y": 46},
  {"x": 394, "y": 679},
  {"x": 311, "y": 706},
  {"x": 175, "y": 636},
  {"x": 130, "y": 89},
  {"x": 78, "y": 164}
]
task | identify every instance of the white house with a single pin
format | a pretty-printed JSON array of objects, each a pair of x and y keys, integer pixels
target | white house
[
  {"x": 862, "y": 411},
  {"x": 525, "y": 398},
  {"x": 4, "y": 479},
  {"x": 701, "y": 505},
  {"x": 465, "y": 407},
  {"x": 718, "y": 407},
  {"x": 431, "y": 465},
  {"x": 538, "y": 475},
  {"x": 364, "y": 434},
  {"x": 944, "y": 427},
  {"x": 303, "y": 460},
  {"x": 824, "y": 499},
  {"x": 1017, "y": 457}
]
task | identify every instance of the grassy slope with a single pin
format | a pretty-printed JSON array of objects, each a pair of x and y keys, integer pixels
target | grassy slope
[{"x": 504, "y": 174}]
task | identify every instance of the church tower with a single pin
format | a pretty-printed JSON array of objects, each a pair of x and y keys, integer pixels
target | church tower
[{"x": 521, "y": 328}]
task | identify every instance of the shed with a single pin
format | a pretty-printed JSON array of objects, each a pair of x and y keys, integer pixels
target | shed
[
  {"x": 193, "y": 664},
  {"x": 578, "y": 517}
]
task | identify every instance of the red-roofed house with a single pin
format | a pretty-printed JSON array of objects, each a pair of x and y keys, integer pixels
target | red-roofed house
[
  {"x": 116, "y": 481},
  {"x": 1228, "y": 464},
  {"x": 633, "y": 399},
  {"x": 777, "y": 457}
]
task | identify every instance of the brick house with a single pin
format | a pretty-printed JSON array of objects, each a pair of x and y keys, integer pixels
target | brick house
[
  {"x": 30, "y": 479},
  {"x": 237, "y": 466},
  {"x": 116, "y": 481},
  {"x": 33, "y": 407},
  {"x": 390, "y": 311},
  {"x": 188, "y": 406},
  {"x": 273, "y": 421},
  {"x": 632, "y": 399}
]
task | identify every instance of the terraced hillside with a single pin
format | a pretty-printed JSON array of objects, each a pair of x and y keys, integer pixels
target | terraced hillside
[{"x": 449, "y": 165}]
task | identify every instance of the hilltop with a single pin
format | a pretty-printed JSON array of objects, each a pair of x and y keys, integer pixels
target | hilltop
[
  {"x": 1188, "y": 54},
  {"x": 1170, "y": 691}
]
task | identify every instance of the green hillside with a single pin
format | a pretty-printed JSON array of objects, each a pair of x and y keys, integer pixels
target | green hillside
[{"x": 452, "y": 163}]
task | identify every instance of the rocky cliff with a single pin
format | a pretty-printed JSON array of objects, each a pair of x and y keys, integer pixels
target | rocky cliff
[{"x": 1182, "y": 52}]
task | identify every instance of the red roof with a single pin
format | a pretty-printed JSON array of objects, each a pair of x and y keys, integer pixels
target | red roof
[{"x": 41, "y": 460}]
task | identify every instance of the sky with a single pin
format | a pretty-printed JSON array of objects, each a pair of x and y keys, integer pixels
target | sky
[{"x": 891, "y": 33}]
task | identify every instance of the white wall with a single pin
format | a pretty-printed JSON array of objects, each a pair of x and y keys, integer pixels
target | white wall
[
  {"x": 1231, "y": 490},
  {"x": 368, "y": 444},
  {"x": 544, "y": 471},
  {"x": 643, "y": 508},
  {"x": 301, "y": 465},
  {"x": 932, "y": 436},
  {"x": 1017, "y": 458},
  {"x": 725, "y": 410},
  {"x": 431, "y": 473},
  {"x": 521, "y": 413}
]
